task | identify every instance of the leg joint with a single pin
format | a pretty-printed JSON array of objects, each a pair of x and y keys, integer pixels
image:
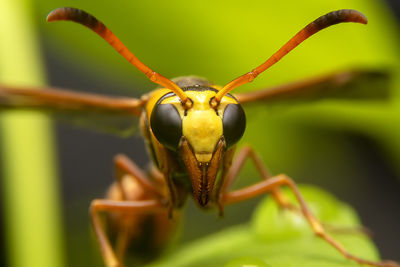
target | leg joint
[{"x": 94, "y": 204}]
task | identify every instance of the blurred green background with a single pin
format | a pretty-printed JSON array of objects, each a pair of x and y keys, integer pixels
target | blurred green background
[{"x": 350, "y": 148}]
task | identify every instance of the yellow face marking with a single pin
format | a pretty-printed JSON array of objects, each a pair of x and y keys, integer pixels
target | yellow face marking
[{"x": 201, "y": 126}]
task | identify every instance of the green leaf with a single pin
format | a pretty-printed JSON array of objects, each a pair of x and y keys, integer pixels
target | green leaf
[{"x": 280, "y": 238}]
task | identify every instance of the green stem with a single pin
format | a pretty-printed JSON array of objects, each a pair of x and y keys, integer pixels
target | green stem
[{"x": 30, "y": 197}]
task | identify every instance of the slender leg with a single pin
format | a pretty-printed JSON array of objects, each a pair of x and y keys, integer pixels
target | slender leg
[
  {"x": 124, "y": 237},
  {"x": 124, "y": 165},
  {"x": 278, "y": 181},
  {"x": 248, "y": 153},
  {"x": 125, "y": 168},
  {"x": 138, "y": 190},
  {"x": 133, "y": 207}
]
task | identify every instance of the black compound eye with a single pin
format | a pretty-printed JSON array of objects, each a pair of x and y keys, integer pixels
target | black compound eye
[
  {"x": 234, "y": 123},
  {"x": 166, "y": 124}
]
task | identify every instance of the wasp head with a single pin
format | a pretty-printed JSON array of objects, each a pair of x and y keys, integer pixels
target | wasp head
[{"x": 200, "y": 134}]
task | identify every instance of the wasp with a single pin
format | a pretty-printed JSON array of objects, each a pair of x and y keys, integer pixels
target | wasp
[{"x": 191, "y": 127}]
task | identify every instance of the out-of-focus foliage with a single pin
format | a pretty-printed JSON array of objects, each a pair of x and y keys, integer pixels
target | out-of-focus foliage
[
  {"x": 28, "y": 176},
  {"x": 279, "y": 238}
]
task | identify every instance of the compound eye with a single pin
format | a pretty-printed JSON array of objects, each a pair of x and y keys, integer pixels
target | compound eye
[
  {"x": 166, "y": 124},
  {"x": 234, "y": 123}
]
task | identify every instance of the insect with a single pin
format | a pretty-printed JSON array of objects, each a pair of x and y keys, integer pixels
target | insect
[{"x": 191, "y": 128}]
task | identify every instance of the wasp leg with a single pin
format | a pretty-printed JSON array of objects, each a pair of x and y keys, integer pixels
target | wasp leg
[
  {"x": 127, "y": 175},
  {"x": 133, "y": 207},
  {"x": 348, "y": 230},
  {"x": 245, "y": 153},
  {"x": 131, "y": 185},
  {"x": 278, "y": 181},
  {"x": 123, "y": 166},
  {"x": 248, "y": 152}
]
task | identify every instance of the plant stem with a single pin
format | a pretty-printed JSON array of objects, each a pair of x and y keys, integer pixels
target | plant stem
[{"x": 29, "y": 184}]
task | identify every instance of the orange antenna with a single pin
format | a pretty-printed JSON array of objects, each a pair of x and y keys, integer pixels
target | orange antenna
[
  {"x": 332, "y": 18},
  {"x": 81, "y": 17}
]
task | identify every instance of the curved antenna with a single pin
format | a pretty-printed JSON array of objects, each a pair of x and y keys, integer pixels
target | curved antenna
[
  {"x": 332, "y": 18},
  {"x": 85, "y": 19}
]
